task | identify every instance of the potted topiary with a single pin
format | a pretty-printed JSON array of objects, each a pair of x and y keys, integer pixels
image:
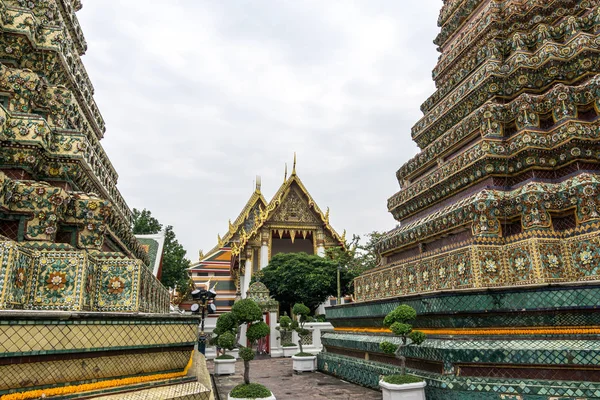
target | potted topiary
[
  {"x": 286, "y": 329},
  {"x": 225, "y": 363},
  {"x": 302, "y": 361},
  {"x": 247, "y": 312},
  {"x": 402, "y": 387},
  {"x": 225, "y": 338}
]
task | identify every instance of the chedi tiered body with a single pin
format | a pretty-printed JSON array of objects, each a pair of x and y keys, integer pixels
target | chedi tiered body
[
  {"x": 80, "y": 309},
  {"x": 498, "y": 242}
]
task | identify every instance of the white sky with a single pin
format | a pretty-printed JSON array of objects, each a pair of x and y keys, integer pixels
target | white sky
[{"x": 201, "y": 96}]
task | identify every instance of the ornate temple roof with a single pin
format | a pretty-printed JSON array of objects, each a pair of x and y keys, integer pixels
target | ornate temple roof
[
  {"x": 153, "y": 244},
  {"x": 256, "y": 213},
  {"x": 244, "y": 219},
  {"x": 277, "y": 200}
]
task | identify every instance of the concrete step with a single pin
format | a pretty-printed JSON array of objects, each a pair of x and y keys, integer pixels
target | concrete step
[{"x": 180, "y": 391}]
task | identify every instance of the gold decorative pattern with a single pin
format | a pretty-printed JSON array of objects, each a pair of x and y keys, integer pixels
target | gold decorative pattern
[
  {"x": 532, "y": 260},
  {"x": 265, "y": 216},
  {"x": 25, "y": 375}
]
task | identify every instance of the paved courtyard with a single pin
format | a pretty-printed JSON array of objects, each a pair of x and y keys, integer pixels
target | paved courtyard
[{"x": 277, "y": 375}]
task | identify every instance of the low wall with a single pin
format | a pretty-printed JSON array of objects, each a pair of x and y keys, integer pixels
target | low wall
[
  {"x": 312, "y": 344},
  {"x": 57, "y": 348}
]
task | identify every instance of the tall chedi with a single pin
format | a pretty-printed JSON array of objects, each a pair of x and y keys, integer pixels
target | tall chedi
[
  {"x": 498, "y": 242},
  {"x": 80, "y": 310}
]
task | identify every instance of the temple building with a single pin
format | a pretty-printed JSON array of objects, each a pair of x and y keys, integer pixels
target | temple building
[
  {"x": 291, "y": 222},
  {"x": 81, "y": 311},
  {"x": 153, "y": 244},
  {"x": 498, "y": 246}
]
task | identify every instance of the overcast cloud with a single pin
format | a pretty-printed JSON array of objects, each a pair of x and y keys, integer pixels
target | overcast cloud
[{"x": 200, "y": 96}]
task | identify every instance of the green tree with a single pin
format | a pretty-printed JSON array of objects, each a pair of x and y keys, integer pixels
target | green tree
[
  {"x": 368, "y": 257},
  {"x": 300, "y": 278},
  {"x": 355, "y": 258},
  {"x": 285, "y": 327},
  {"x": 247, "y": 312},
  {"x": 174, "y": 264},
  {"x": 302, "y": 312},
  {"x": 144, "y": 223},
  {"x": 397, "y": 320},
  {"x": 225, "y": 334}
]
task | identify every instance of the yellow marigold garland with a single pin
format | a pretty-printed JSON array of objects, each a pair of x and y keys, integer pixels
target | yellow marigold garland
[
  {"x": 577, "y": 330},
  {"x": 33, "y": 394}
]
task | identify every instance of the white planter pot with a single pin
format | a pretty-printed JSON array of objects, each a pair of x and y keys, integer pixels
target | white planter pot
[
  {"x": 235, "y": 353},
  {"x": 271, "y": 397},
  {"x": 408, "y": 391},
  {"x": 224, "y": 367},
  {"x": 302, "y": 364},
  {"x": 289, "y": 351}
]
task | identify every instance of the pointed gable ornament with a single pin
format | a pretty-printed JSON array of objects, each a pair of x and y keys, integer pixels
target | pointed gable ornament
[
  {"x": 294, "y": 167},
  {"x": 258, "y": 184}
]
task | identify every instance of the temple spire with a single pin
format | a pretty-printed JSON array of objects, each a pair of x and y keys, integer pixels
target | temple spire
[
  {"x": 258, "y": 183},
  {"x": 294, "y": 167},
  {"x": 285, "y": 174}
]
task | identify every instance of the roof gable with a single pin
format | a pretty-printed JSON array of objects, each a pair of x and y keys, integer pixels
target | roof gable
[
  {"x": 291, "y": 201},
  {"x": 244, "y": 221}
]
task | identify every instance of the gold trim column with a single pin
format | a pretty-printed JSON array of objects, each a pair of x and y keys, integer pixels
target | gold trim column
[
  {"x": 265, "y": 242},
  {"x": 247, "y": 272},
  {"x": 320, "y": 243}
]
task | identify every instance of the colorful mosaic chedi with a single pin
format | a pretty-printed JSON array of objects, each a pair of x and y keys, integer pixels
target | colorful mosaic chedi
[
  {"x": 64, "y": 227},
  {"x": 498, "y": 246},
  {"x": 81, "y": 313}
]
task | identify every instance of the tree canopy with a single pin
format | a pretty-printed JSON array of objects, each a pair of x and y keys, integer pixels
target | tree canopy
[
  {"x": 247, "y": 312},
  {"x": 175, "y": 265},
  {"x": 357, "y": 258},
  {"x": 144, "y": 223},
  {"x": 398, "y": 321},
  {"x": 300, "y": 278}
]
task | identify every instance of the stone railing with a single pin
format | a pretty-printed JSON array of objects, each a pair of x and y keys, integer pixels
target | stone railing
[{"x": 312, "y": 344}]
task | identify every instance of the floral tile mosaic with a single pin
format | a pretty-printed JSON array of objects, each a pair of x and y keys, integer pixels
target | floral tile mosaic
[{"x": 77, "y": 281}]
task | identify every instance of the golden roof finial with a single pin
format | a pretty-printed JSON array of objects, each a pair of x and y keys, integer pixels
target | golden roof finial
[
  {"x": 200, "y": 255},
  {"x": 294, "y": 167},
  {"x": 231, "y": 227},
  {"x": 258, "y": 183},
  {"x": 285, "y": 174}
]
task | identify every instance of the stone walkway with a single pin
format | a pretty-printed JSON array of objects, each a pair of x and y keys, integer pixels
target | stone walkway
[{"x": 277, "y": 375}]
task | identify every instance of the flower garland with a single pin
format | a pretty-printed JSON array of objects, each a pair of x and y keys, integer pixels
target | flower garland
[
  {"x": 34, "y": 394},
  {"x": 577, "y": 330}
]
